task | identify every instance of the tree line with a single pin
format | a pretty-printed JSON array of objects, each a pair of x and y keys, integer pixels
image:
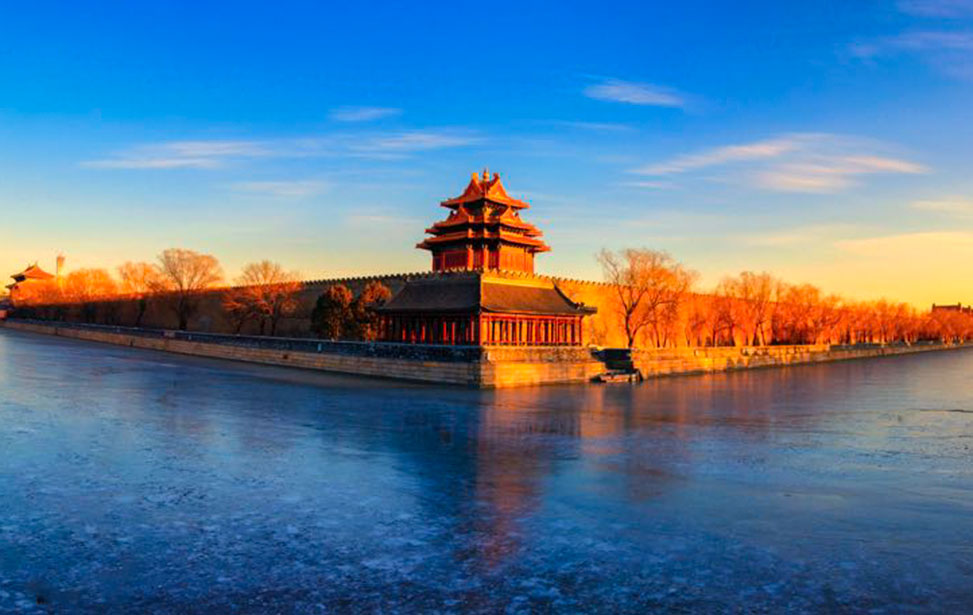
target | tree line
[
  {"x": 656, "y": 303},
  {"x": 263, "y": 294},
  {"x": 652, "y": 298}
]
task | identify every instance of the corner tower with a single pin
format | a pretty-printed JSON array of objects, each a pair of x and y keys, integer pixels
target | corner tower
[{"x": 484, "y": 231}]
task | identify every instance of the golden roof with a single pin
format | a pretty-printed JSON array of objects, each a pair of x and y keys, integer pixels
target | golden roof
[
  {"x": 485, "y": 188},
  {"x": 32, "y": 272}
]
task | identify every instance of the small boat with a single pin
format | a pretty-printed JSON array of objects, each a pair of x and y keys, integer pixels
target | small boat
[{"x": 619, "y": 376}]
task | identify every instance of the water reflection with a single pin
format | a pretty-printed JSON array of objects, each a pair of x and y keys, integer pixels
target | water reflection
[{"x": 818, "y": 486}]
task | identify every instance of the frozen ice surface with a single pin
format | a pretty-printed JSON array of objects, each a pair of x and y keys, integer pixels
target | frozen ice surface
[{"x": 134, "y": 481}]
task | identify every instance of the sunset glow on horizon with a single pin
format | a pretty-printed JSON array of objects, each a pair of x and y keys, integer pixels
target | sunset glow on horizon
[{"x": 826, "y": 143}]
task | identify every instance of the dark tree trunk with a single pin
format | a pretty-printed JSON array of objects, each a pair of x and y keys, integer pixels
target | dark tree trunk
[{"x": 141, "y": 313}]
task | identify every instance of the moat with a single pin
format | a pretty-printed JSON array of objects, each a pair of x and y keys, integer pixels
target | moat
[{"x": 137, "y": 481}]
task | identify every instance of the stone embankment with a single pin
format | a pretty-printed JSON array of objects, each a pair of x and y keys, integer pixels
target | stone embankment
[
  {"x": 684, "y": 361},
  {"x": 464, "y": 365},
  {"x": 489, "y": 367}
]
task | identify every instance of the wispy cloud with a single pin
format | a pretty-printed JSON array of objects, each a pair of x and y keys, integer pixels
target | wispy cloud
[
  {"x": 593, "y": 126},
  {"x": 647, "y": 185},
  {"x": 633, "y": 93},
  {"x": 181, "y": 155},
  {"x": 937, "y": 8},
  {"x": 363, "y": 114},
  {"x": 802, "y": 162},
  {"x": 830, "y": 175},
  {"x": 282, "y": 188},
  {"x": 405, "y": 142},
  {"x": 215, "y": 154},
  {"x": 770, "y": 148},
  {"x": 954, "y": 205},
  {"x": 948, "y": 51}
]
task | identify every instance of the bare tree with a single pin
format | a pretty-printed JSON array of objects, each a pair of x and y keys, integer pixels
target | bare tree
[
  {"x": 747, "y": 303},
  {"x": 264, "y": 292},
  {"x": 137, "y": 281},
  {"x": 185, "y": 275},
  {"x": 726, "y": 314},
  {"x": 698, "y": 313},
  {"x": 84, "y": 287},
  {"x": 646, "y": 283}
]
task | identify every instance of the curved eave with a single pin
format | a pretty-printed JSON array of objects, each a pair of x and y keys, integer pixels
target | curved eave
[
  {"x": 584, "y": 311},
  {"x": 463, "y": 200},
  {"x": 485, "y": 234},
  {"x": 441, "y": 228},
  {"x": 464, "y": 238}
]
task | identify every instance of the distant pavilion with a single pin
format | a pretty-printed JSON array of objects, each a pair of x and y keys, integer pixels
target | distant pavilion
[
  {"x": 31, "y": 275},
  {"x": 483, "y": 290}
]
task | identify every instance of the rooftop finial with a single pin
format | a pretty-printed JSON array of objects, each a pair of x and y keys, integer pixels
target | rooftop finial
[{"x": 486, "y": 174}]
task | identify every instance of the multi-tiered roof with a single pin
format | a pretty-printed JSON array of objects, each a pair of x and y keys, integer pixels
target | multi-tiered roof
[
  {"x": 474, "y": 301},
  {"x": 484, "y": 231},
  {"x": 32, "y": 272}
]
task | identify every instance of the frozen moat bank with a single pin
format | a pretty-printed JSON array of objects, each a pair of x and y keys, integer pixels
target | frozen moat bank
[
  {"x": 475, "y": 366},
  {"x": 136, "y": 481}
]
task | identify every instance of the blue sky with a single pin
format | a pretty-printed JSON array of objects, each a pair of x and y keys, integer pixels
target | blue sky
[{"x": 826, "y": 142}]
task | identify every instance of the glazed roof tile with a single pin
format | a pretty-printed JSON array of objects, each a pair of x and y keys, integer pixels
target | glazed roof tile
[
  {"x": 470, "y": 294},
  {"x": 485, "y": 188},
  {"x": 32, "y": 272}
]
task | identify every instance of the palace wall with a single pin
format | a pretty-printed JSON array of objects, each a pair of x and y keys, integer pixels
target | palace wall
[
  {"x": 603, "y": 328},
  {"x": 211, "y": 317},
  {"x": 489, "y": 367}
]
